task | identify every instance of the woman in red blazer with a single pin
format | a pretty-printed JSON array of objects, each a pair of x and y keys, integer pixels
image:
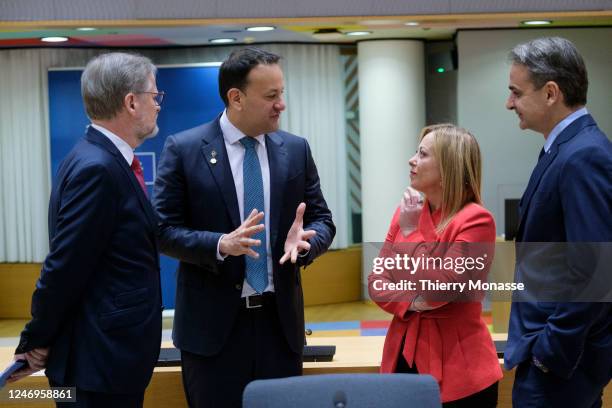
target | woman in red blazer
[{"x": 434, "y": 331}]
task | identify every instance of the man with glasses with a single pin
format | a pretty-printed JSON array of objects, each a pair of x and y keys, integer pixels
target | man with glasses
[
  {"x": 96, "y": 310},
  {"x": 158, "y": 97}
]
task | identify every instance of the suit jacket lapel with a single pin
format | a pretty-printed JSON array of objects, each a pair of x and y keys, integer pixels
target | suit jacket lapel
[
  {"x": 544, "y": 162},
  {"x": 142, "y": 198},
  {"x": 215, "y": 156},
  {"x": 96, "y": 137},
  {"x": 279, "y": 167},
  {"x": 536, "y": 175}
]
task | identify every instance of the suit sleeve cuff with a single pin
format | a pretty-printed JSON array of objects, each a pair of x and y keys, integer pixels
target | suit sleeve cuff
[
  {"x": 539, "y": 364},
  {"x": 549, "y": 360},
  {"x": 22, "y": 347}
]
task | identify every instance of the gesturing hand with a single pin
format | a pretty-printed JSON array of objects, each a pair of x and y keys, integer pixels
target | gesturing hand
[
  {"x": 297, "y": 238},
  {"x": 410, "y": 210},
  {"x": 239, "y": 241}
]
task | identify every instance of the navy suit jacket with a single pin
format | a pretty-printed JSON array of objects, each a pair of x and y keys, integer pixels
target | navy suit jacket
[
  {"x": 196, "y": 203},
  {"x": 97, "y": 303},
  {"x": 568, "y": 200}
]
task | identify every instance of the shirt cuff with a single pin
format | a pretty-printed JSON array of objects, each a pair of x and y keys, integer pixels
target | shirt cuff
[
  {"x": 219, "y": 256},
  {"x": 539, "y": 364}
]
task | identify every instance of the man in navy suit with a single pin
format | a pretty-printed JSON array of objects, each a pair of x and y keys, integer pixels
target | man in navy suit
[
  {"x": 562, "y": 346},
  {"x": 240, "y": 205},
  {"x": 96, "y": 309}
]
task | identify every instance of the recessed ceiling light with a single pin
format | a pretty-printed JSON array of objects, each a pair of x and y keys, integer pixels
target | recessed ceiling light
[
  {"x": 536, "y": 22},
  {"x": 261, "y": 28},
  {"x": 358, "y": 33},
  {"x": 54, "y": 39},
  {"x": 86, "y": 29},
  {"x": 411, "y": 23},
  {"x": 222, "y": 40}
]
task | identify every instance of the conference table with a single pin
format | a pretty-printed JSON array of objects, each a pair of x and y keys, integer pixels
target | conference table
[{"x": 360, "y": 354}]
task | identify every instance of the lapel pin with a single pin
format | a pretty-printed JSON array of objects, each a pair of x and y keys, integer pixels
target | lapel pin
[{"x": 213, "y": 157}]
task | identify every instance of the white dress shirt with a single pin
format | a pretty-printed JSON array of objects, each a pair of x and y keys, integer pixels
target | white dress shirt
[
  {"x": 126, "y": 150},
  {"x": 235, "y": 154},
  {"x": 561, "y": 127}
]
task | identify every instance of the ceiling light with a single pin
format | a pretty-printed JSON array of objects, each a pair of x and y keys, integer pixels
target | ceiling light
[
  {"x": 54, "y": 39},
  {"x": 411, "y": 23},
  {"x": 222, "y": 40},
  {"x": 261, "y": 28},
  {"x": 536, "y": 22},
  {"x": 357, "y": 33},
  {"x": 86, "y": 29}
]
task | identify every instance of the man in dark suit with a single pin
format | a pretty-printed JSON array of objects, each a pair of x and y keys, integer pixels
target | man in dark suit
[
  {"x": 561, "y": 345},
  {"x": 232, "y": 187},
  {"x": 97, "y": 304}
]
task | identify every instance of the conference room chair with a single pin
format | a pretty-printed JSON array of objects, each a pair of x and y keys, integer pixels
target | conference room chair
[{"x": 344, "y": 391}]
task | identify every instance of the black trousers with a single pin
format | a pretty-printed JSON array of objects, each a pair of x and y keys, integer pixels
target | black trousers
[
  {"x": 486, "y": 398},
  {"x": 90, "y": 399},
  {"x": 255, "y": 349}
]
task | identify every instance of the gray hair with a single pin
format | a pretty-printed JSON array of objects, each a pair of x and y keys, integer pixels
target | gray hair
[
  {"x": 554, "y": 59},
  {"x": 107, "y": 78}
]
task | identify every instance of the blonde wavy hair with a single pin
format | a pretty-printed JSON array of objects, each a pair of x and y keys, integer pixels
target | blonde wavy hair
[{"x": 458, "y": 156}]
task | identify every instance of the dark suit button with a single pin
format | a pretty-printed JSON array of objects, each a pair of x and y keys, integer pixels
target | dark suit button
[{"x": 238, "y": 286}]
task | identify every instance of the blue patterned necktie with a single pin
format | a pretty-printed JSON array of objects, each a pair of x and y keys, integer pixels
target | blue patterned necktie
[{"x": 256, "y": 269}]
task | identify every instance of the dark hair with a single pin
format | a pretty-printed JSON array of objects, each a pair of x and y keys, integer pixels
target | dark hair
[
  {"x": 235, "y": 69},
  {"x": 554, "y": 59}
]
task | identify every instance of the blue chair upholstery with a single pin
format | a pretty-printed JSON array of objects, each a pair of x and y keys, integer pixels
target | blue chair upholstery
[{"x": 344, "y": 391}]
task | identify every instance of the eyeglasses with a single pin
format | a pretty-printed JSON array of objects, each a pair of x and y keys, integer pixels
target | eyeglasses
[{"x": 158, "y": 97}]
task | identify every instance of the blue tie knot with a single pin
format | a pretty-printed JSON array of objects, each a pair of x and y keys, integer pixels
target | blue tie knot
[{"x": 248, "y": 142}]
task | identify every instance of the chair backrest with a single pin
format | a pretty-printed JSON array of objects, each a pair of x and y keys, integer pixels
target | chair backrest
[{"x": 344, "y": 391}]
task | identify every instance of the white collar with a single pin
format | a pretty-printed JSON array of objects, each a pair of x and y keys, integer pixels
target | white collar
[
  {"x": 231, "y": 133},
  {"x": 126, "y": 150}
]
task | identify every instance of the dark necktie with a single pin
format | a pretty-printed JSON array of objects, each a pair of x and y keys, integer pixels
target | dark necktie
[
  {"x": 542, "y": 152},
  {"x": 256, "y": 269},
  {"x": 137, "y": 169}
]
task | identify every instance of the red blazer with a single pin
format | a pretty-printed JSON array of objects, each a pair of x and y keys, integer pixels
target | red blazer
[{"x": 451, "y": 343}]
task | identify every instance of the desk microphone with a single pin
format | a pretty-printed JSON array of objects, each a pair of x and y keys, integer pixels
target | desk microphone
[
  {"x": 307, "y": 332},
  {"x": 339, "y": 399}
]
